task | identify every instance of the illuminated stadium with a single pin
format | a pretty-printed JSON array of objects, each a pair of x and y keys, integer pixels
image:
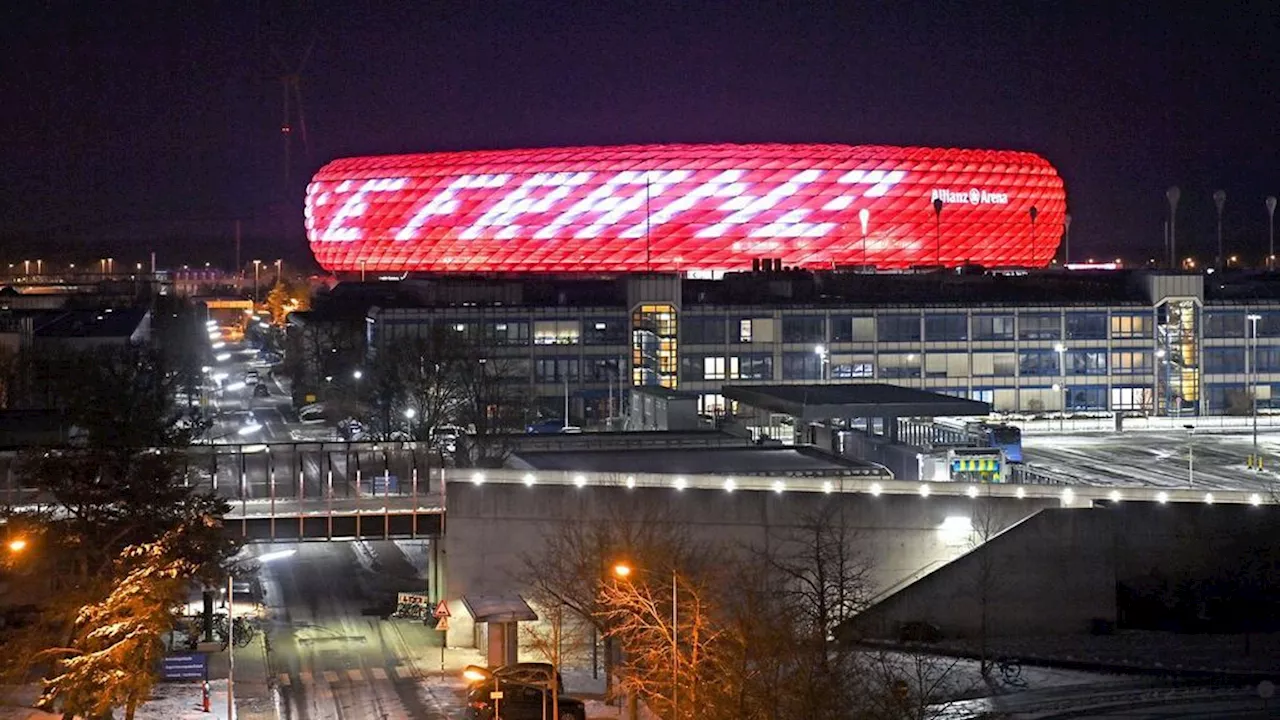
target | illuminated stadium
[{"x": 683, "y": 208}]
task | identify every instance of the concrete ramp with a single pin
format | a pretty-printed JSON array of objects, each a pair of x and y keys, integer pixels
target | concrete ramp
[{"x": 1052, "y": 573}]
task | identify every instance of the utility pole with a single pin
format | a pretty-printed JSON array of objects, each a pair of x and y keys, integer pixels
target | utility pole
[
  {"x": 1066, "y": 240},
  {"x": 1172, "y": 195},
  {"x": 937, "y": 216},
  {"x": 1219, "y": 201},
  {"x": 1271, "y": 232}
]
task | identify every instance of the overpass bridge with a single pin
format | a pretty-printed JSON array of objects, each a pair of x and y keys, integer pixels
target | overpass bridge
[{"x": 332, "y": 491}]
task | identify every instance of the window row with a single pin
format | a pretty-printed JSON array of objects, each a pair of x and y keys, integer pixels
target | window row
[
  {"x": 505, "y": 333},
  {"x": 915, "y": 327},
  {"x": 847, "y": 366}
]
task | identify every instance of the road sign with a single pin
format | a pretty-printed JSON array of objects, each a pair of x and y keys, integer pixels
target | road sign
[
  {"x": 443, "y": 624},
  {"x": 442, "y": 610},
  {"x": 185, "y": 667},
  {"x": 495, "y": 695}
]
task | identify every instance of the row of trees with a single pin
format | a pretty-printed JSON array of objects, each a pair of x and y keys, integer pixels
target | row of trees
[
  {"x": 117, "y": 541},
  {"x": 415, "y": 386},
  {"x": 753, "y": 629}
]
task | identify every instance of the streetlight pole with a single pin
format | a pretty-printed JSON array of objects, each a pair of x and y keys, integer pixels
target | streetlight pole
[
  {"x": 864, "y": 218},
  {"x": 675, "y": 650},
  {"x": 1033, "y": 212},
  {"x": 1061, "y": 349},
  {"x": 257, "y": 265},
  {"x": 1219, "y": 201},
  {"x": 937, "y": 216},
  {"x": 231, "y": 644},
  {"x": 1271, "y": 232},
  {"x": 624, "y": 571},
  {"x": 821, "y": 352},
  {"x": 1252, "y": 377},
  {"x": 1191, "y": 455},
  {"x": 1066, "y": 240},
  {"x": 1172, "y": 195}
]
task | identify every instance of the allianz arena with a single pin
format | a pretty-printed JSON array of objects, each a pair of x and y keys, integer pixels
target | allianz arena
[{"x": 681, "y": 208}]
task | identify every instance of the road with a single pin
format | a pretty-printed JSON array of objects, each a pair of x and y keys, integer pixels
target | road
[
  {"x": 1157, "y": 459},
  {"x": 331, "y": 656}
]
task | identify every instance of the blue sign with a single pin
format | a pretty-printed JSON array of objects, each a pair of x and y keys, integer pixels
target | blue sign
[{"x": 185, "y": 667}]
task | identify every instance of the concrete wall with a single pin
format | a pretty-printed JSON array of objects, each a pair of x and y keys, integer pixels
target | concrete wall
[
  {"x": 1051, "y": 574},
  {"x": 1058, "y": 570},
  {"x": 490, "y": 528}
]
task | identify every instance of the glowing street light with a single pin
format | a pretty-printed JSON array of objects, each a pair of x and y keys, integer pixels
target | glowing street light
[
  {"x": 624, "y": 571},
  {"x": 17, "y": 544},
  {"x": 357, "y": 374}
]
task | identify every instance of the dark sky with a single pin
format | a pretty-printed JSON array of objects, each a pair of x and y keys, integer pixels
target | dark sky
[{"x": 148, "y": 120}]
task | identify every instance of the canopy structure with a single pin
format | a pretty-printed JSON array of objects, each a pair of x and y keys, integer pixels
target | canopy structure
[{"x": 815, "y": 403}]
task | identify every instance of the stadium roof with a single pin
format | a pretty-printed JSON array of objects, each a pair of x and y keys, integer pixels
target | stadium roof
[{"x": 862, "y": 400}]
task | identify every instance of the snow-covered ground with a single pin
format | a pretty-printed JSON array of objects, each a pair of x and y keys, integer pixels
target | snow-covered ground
[
  {"x": 1218, "y": 461},
  {"x": 1148, "y": 650},
  {"x": 169, "y": 701}
]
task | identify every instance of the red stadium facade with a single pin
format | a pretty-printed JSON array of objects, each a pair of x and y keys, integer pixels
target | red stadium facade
[{"x": 684, "y": 208}]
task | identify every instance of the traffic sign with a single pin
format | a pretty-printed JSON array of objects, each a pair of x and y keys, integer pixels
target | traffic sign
[
  {"x": 442, "y": 610},
  {"x": 443, "y": 624},
  {"x": 495, "y": 695},
  {"x": 185, "y": 667}
]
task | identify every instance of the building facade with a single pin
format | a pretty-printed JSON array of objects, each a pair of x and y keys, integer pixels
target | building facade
[{"x": 1114, "y": 342}]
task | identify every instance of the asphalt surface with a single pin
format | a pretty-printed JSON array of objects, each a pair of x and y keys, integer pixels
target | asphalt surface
[{"x": 330, "y": 654}]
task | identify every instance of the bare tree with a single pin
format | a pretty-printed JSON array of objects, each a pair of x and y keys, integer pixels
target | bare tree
[{"x": 493, "y": 401}]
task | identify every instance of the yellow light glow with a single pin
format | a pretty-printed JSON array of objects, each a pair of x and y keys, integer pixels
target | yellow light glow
[
  {"x": 622, "y": 570},
  {"x": 17, "y": 545},
  {"x": 473, "y": 675}
]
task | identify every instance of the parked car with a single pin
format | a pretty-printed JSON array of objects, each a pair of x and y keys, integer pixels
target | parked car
[
  {"x": 261, "y": 390},
  {"x": 251, "y": 377},
  {"x": 535, "y": 673},
  {"x": 519, "y": 702},
  {"x": 545, "y": 426}
]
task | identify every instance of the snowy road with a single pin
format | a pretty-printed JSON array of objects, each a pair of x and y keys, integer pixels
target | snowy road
[
  {"x": 1155, "y": 459},
  {"x": 332, "y": 657}
]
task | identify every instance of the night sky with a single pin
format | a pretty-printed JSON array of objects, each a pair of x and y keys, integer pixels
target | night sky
[{"x": 131, "y": 124}]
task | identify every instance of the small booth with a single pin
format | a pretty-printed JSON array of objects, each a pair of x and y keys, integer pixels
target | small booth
[{"x": 497, "y": 628}]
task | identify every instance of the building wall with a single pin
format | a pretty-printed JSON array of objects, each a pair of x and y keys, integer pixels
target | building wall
[
  {"x": 1111, "y": 361},
  {"x": 492, "y": 528},
  {"x": 1051, "y": 574}
]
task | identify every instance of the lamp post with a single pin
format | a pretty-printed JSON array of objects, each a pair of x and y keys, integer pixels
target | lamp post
[
  {"x": 1191, "y": 455},
  {"x": 1172, "y": 195},
  {"x": 864, "y": 217},
  {"x": 1033, "y": 212},
  {"x": 257, "y": 266},
  {"x": 1066, "y": 240},
  {"x": 278, "y": 271},
  {"x": 624, "y": 571},
  {"x": 1061, "y": 349},
  {"x": 1271, "y": 232},
  {"x": 1252, "y": 378},
  {"x": 1220, "y": 201},
  {"x": 937, "y": 216},
  {"x": 821, "y": 352},
  {"x": 362, "y": 266}
]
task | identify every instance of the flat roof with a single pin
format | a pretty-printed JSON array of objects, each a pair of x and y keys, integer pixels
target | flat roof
[
  {"x": 744, "y": 461},
  {"x": 865, "y": 400}
]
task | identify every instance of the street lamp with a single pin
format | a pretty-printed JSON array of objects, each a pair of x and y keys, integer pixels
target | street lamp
[
  {"x": 1271, "y": 231},
  {"x": 1191, "y": 455},
  {"x": 624, "y": 571},
  {"x": 1172, "y": 195},
  {"x": 821, "y": 352},
  {"x": 1220, "y": 201},
  {"x": 1252, "y": 379},
  {"x": 937, "y": 217},
  {"x": 257, "y": 266},
  {"x": 1033, "y": 212},
  {"x": 357, "y": 374},
  {"x": 17, "y": 544},
  {"x": 1066, "y": 239},
  {"x": 864, "y": 218},
  {"x": 1062, "y": 376}
]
